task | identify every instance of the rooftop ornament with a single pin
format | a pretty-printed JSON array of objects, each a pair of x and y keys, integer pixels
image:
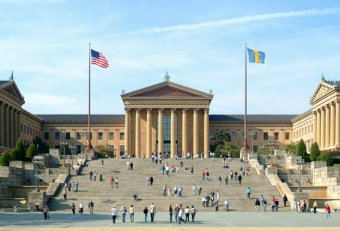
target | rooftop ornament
[{"x": 166, "y": 77}]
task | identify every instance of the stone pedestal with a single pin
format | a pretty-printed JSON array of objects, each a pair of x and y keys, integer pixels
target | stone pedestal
[{"x": 244, "y": 153}]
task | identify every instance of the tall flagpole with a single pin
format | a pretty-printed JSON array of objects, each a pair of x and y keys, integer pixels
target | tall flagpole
[
  {"x": 245, "y": 144},
  {"x": 89, "y": 145}
]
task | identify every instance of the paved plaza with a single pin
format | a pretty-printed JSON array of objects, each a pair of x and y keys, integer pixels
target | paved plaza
[{"x": 205, "y": 220}]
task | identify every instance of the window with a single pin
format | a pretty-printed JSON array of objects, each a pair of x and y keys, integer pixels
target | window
[
  {"x": 111, "y": 136},
  {"x": 78, "y": 147},
  {"x": 68, "y": 135},
  {"x": 276, "y": 136},
  {"x": 122, "y": 136},
  {"x": 211, "y": 136},
  {"x": 265, "y": 136},
  {"x": 57, "y": 135},
  {"x": 100, "y": 136},
  {"x": 255, "y": 135},
  {"x": 46, "y": 135},
  {"x": 78, "y": 135},
  {"x": 287, "y": 136},
  {"x": 233, "y": 136}
]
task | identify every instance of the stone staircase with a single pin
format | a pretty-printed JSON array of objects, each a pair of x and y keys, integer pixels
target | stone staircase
[{"x": 134, "y": 182}]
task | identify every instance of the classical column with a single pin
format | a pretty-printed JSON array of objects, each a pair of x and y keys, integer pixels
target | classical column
[
  {"x": 15, "y": 122},
  {"x": 19, "y": 124},
  {"x": 172, "y": 134},
  {"x": 184, "y": 131},
  {"x": 327, "y": 120},
  {"x": 127, "y": 131},
  {"x": 11, "y": 128},
  {"x": 337, "y": 123},
  {"x": 160, "y": 131},
  {"x": 322, "y": 130},
  {"x": 206, "y": 133},
  {"x": 318, "y": 113},
  {"x": 148, "y": 132},
  {"x": 195, "y": 133},
  {"x": 2, "y": 124},
  {"x": 7, "y": 125},
  {"x": 332, "y": 125},
  {"x": 137, "y": 145},
  {"x": 315, "y": 126}
]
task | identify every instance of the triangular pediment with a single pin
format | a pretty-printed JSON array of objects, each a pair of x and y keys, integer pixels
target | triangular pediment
[
  {"x": 323, "y": 89},
  {"x": 11, "y": 88},
  {"x": 167, "y": 89}
]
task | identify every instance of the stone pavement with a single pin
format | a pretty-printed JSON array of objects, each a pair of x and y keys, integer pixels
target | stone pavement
[{"x": 205, "y": 220}]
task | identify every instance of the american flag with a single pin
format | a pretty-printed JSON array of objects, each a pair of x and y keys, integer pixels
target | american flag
[{"x": 98, "y": 59}]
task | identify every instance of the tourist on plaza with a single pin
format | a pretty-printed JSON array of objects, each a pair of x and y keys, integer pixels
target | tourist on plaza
[
  {"x": 180, "y": 215},
  {"x": 167, "y": 170},
  {"x": 151, "y": 180},
  {"x": 111, "y": 181},
  {"x": 328, "y": 211},
  {"x": 65, "y": 194},
  {"x": 132, "y": 213},
  {"x": 163, "y": 169},
  {"x": 199, "y": 190},
  {"x": 257, "y": 205},
  {"x": 124, "y": 211},
  {"x": 194, "y": 190},
  {"x": 263, "y": 202},
  {"x": 219, "y": 180},
  {"x": 226, "y": 180},
  {"x": 315, "y": 205},
  {"x": 152, "y": 212},
  {"x": 285, "y": 199},
  {"x": 273, "y": 204},
  {"x": 226, "y": 205},
  {"x": 114, "y": 214},
  {"x": 248, "y": 192},
  {"x": 73, "y": 207},
  {"x": 176, "y": 212},
  {"x": 235, "y": 175},
  {"x": 180, "y": 191},
  {"x": 91, "y": 174},
  {"x": 145, "y": 211},
  {"x": 203, "y": 175},
  {"x": 239, "y": 179},
  {"x": 192, "y": 170},
  {"x": 203, "y": 201},
  {"x": 169, "y": 191},
  {"x": 175, "y": 191},
  {"x": 100, "y": 177},
  {"x": 116, "y": 182},
  {"x": 170, "y": 213},
  {"x": 81, "y": 207},
  {"x": 164, "y": 190},
  {"x": 102, "y": 162},
  {"x": 148, "y": 180},
  {"x": 231, "y": 174},
  {"x": 76, "y": 187},
  {"x": 69, "y": 186},
  {"x": 95, "y": 176},
  {"x": 187, "y": 214},
  {"x": 216, "y": 206},
  {"x": 193, "y": 212},
  {"x": 90, "y": 206},
  {"x": 46, "y": 212}
]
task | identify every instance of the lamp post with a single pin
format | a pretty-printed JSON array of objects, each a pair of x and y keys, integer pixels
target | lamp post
[
  {"x": 37, "y": 163},
  {"x": 300, "y": 162},
  {"x": 63, "y": 143}
]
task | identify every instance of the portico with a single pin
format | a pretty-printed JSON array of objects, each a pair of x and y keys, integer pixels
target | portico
[{"x": 168, "y": 118}]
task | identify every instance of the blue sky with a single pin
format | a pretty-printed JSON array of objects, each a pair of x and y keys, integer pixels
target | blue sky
[{"x": 199, "y": 42}]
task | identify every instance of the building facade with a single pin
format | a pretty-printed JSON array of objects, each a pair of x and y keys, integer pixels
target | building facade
[{"x": 170, "y": 118}]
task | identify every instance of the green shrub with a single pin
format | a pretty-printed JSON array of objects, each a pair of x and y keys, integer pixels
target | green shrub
[
  {"x": 325, "y": 156},
  {"x": 314, "y": 151},
  {"x": 5, "y": 158},
  {"x": 31, "y": 152},
  {"x": 301, "y": 149}
]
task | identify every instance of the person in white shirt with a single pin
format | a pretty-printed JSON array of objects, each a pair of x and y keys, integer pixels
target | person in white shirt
[
  {"x": 226, "y": 205},
  {"x": 81, "y": 207},
  {"x": 152, "y": 212},
  {"x": 114, "y": 214}
]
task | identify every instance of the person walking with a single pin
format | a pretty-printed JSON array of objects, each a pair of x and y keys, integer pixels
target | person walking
[
  {"x": 170, "y": 213},
  {"x": 45, "y": 212},
  {"x": 81, "y": 207},
  {"x": 116, "y": 182},
  {"x": 248, "y": 192},
  {"x": 239, "y": 179},
  {"x": 315, "y": 205},
  {"x": 65, "y": 194},
  {"x": 285, "y": 199},
  {"x": 187, "y": 213},
  {"x": 132, "y": 213},
  {"x": 124, "y": 211},
  {"x": 152, "y": 212},
  {"x": 219, "y": 180},
  {"x": 176, "y": 212},
  {"x": 226, "y": 205},
  {"x": 145, "y": 211},
  {"x": 114, "y": 214},
  {"x": 73, "y": 207},
  {"x": 328, "y": 211},
  {"x": 193, "y": 212},
  {"x": 257, "y": 205},
  {"x": 91, "y": 205}
]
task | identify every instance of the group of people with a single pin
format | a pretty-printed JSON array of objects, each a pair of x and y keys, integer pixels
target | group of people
[
  {"x": 131, "y": 211},
  {"x": 93, "y": 176}
]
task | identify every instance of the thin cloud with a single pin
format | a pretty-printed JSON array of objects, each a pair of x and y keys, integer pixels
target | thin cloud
[{"x": 246, "y": 19}]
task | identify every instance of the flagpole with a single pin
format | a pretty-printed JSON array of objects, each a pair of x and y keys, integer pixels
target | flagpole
[
  {"x": 89, "y": 145},
  {"x": 245, "y": 144}
]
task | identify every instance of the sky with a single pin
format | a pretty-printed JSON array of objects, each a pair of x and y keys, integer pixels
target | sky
[{"x": 200, "y": 43}]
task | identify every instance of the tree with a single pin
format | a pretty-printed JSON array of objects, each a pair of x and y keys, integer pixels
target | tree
[
  {"x": 43, "y": 147},
  {"x": 301, "y": 149},
  {"x": 221, "y": 137},
  {"x": 31, "y": 152},
  {"x": 15, "y": 154},
  {"x": 264, "y": 151},
  {"x": 20, "y": 147},
  {"x": 291, "y": 148},
  {"x": 314, "y": 151},
  {"x": 5, "y": 158},
  {"x": 228, "y": 148},
  {"x": 325, "y": 156}
]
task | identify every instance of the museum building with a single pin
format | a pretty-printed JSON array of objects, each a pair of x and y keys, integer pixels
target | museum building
[{"x": 170, "y": 118}]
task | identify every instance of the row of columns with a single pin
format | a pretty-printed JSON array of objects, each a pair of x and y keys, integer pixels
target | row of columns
[
  {"x": 10, "y": 120},
  {"x": 160, "y": 137},
  {"x": 327, "y": 125}
]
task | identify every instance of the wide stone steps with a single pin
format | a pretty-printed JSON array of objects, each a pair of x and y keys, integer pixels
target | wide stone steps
[{"x": 134, "y": 182}]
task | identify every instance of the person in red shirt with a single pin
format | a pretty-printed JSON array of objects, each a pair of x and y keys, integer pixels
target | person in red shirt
[{"x": 328, "y": 211}]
